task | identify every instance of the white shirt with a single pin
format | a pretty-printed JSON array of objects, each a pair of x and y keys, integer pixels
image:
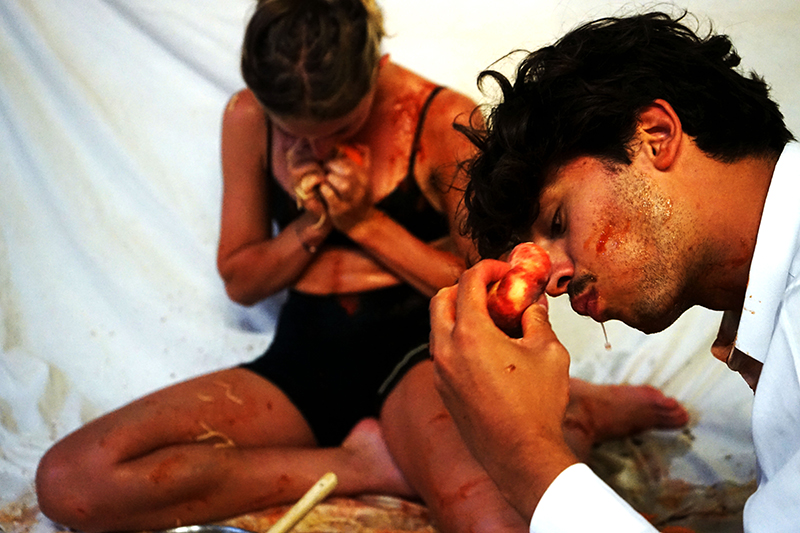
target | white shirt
[{"x": 769, "y": 331}]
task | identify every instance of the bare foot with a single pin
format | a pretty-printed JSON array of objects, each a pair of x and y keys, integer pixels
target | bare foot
[
  {"x": 371, "y": 455},
  {"x": 615, "y": 411}
]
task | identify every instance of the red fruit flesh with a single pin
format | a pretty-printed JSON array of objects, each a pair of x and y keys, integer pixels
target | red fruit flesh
[{"x": 521, "y": 286}]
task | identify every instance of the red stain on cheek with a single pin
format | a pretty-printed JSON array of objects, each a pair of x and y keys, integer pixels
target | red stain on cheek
[
  {"x": 611, "y": 234},
  {"x": 600, "y": 247}
]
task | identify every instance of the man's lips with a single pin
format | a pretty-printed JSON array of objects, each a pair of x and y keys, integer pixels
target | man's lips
[{"x": 586, "y": 303}]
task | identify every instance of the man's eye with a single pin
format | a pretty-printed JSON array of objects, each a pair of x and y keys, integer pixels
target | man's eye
[{"x": 556, "y": 225}]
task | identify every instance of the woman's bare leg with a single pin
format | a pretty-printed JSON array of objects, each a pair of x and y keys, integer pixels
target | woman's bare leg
[
  {"x": 209, "y": 448},
  {"x": 462, "y": 498},
  {"x": 428, "y": 448}
]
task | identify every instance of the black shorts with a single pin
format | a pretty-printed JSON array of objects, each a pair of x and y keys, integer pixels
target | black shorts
[{"x": 335, "y": 356}]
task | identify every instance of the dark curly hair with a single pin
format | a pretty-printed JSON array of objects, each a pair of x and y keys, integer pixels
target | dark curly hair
[
  {"x": 312, "y": 58},
  {"x": 582, "y": 96}
]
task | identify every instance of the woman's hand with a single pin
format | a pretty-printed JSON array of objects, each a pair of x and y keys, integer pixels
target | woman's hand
[
  {"x": 346, "y": 189},
  {"x": 307, "y": 175},
  {"x": 507, "y": 396}
]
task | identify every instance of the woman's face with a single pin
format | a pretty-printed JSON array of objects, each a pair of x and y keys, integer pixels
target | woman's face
[{"x": 323, "y": 136}]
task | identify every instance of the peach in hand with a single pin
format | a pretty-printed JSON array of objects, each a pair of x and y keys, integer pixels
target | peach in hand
[{"x": 519, "y": 288}]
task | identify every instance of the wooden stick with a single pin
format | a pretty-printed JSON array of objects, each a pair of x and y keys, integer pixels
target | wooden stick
[{"x": 315, "y": 494}]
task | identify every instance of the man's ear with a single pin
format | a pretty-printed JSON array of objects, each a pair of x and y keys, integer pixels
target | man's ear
[{"x": 661, "y": 133}]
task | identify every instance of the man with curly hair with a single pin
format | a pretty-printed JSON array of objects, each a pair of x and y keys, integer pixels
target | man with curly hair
[{"x": 658, "y": 177}]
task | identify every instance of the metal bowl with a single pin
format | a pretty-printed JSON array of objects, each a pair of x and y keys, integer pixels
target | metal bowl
[{"x": 207, "y": 528}]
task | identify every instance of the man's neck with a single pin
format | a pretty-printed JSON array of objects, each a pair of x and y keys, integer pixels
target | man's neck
[{"x": 730, "y": 200}]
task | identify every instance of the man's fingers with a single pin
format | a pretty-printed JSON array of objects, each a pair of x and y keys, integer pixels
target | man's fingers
[
  {"x": 474, "y": 282},
  {"x": 443, "y": 317}
]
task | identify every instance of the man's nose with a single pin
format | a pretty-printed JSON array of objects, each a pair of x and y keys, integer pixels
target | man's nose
[{"x": 562, "y": 271}]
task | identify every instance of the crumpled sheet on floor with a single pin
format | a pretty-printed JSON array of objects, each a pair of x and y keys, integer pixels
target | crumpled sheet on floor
[{"x": 109, "y": 212}]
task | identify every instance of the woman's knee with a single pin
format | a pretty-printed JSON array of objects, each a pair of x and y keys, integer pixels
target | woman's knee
[{"x": 60, "y": 489}]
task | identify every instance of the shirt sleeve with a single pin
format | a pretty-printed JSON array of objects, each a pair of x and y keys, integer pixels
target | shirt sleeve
[{"x": 578, "y": 501}]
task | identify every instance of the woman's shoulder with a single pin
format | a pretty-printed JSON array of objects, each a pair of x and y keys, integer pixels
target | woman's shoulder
[
  {"x": 243, "y": 108},
  {"x": 403, "y": 84}
]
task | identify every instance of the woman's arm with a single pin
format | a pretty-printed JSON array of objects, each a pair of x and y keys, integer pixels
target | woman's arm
[{"x": 254, "y": 264}]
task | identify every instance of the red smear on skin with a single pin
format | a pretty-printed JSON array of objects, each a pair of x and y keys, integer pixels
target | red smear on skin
[
  {"x": 444, "y": 415},
  {"x": 609, "y": 232},
  {"x": 603, "y": 239},
  {"x": 465, "y": 489},
  {"x": 420, "y": 153},
  {"x": 269, "y": 500},
  {"x": 461, "y": 494},
  {"x": 349, "y": 302},
  {"x": 406, "y": 109},
  {"x": 353, "y": 154},
  {"x": 164, "y": 470}
]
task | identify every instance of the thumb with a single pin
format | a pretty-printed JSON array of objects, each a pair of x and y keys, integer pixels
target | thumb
[{"x": 535, "y": 319}]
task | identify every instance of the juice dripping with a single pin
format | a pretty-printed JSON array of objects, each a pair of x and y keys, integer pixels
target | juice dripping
[{"x": 605, "y": 335}]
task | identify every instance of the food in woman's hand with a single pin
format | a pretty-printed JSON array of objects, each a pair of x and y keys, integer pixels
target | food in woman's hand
[
  {"x": 308, "y": 184},
  {"x": 305, "y": 187},
  {"x": 519, "y": 288}
]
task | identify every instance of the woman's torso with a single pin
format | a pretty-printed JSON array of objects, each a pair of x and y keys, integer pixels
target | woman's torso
[{"x": 401, "y": 183}]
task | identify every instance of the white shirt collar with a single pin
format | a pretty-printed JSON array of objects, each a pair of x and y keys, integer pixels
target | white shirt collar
[{"x": 776, "y": 246}]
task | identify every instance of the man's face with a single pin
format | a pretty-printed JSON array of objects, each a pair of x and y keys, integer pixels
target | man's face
[{"x": 615, "y": 239}]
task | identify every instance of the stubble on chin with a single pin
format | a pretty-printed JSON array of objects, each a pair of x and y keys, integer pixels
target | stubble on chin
[{"x": 652, "y": 259}]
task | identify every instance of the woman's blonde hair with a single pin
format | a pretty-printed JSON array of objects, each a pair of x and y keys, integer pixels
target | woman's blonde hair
[{"x": 312, "y": 58}]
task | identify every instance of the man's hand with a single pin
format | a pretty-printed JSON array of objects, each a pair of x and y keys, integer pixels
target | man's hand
[{"x": 507, "y": 396}]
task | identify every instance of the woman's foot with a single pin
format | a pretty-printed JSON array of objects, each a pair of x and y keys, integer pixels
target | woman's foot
[
  {"x": 368, "y": 447},
  {"x": 616, "y": 411}
]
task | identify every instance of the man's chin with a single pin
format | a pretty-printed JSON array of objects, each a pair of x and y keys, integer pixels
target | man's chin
[{"x": 651, "y": 324}]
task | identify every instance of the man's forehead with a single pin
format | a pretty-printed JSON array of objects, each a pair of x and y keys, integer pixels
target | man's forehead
[
  {"x": 577, "y": 168},
  {"x": 570, "y": 178}
]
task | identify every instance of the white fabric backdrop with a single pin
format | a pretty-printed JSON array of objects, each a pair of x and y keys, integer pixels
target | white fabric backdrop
[{"x": 110, "y": 194}]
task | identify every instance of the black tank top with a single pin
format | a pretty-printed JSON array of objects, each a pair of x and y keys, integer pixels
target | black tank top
[{"x": 406, "y": 204}]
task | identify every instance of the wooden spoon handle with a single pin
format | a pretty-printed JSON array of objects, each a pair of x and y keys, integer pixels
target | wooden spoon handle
[{"x": 315, "y": 494}]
